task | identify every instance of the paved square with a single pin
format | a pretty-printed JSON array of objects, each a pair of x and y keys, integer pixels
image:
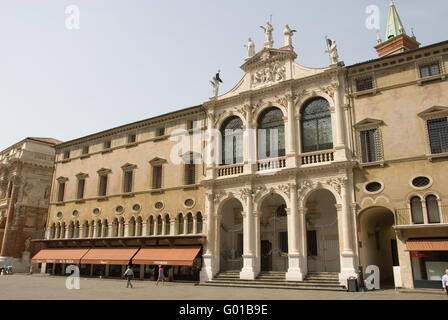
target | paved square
[{"x": 21, "y": 286}]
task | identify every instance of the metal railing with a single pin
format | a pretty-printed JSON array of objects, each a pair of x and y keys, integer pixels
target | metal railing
[{"x": 403, "y": 216}]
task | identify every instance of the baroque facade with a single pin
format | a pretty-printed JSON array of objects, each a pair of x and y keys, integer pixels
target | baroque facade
[
  {"x": 26, "y": 170},
  {"x": 297, "y": 171}
]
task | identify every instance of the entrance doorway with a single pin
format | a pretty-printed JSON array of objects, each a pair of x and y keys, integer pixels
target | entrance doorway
[
  {"x": 273, "y": 234},
  {"x": 322, "y": 232},
  {"x": 231, "y": 236},
  {"x": 378, "y": 242}
]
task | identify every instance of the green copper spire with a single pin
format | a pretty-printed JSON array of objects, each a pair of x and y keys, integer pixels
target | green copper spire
[{"x": 394, "y": 25}]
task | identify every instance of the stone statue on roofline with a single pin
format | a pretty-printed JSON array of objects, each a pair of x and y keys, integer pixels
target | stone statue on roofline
[
  {"x": 268, "y": 34},
  {"x": 250, "y": 48},
  {"x": 333, "y": 51}
]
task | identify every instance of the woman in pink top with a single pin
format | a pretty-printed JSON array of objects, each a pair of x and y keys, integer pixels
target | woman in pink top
[{"x": 161, "y": 276}]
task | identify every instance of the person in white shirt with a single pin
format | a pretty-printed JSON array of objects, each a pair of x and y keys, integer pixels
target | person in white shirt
[
  {"x": 129, "y": 274},
  {"x": 445, "y": 282}
]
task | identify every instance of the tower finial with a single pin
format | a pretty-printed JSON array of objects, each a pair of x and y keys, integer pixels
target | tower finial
[{"x": 394, "y": 24}]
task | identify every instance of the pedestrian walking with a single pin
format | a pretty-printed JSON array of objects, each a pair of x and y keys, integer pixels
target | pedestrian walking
[
  {"x": 445, "y": 282},
  {"x": 161, "y": 276},
  {"x": 129, "y": 274}
]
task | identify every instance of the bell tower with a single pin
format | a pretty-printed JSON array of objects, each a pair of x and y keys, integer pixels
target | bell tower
[{"x": 397, "y": 41}]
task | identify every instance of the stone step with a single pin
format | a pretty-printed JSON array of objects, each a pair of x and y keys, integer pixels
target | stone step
[
  {"x": 287, "y": 283},
  {"x": 251, "y": 284}
]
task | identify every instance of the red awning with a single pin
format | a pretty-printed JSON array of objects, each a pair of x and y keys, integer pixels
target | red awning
[
  {"x": 109, "y": 256},
  {"x": 427, "y": 245},
  {"x": 179, "y": 256},
  {"x": 72, "y": 256}
]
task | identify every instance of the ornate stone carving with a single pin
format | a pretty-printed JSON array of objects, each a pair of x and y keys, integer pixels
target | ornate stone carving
[
  {"x": 272, "y": 72},
  {"x": 285, "y": 188},
  {"x": 245, "y": 193},
  {"x": 337, "y": 183},
  {"x": 306, "y": 184},
  {"x": 258, "y": 190}
]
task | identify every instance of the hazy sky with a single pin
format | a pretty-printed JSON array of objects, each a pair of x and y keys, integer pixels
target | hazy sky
[{"x": 135, "y": 59}]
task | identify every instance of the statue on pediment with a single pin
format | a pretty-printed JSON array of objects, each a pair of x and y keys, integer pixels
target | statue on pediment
[
  {"x": 333, "y": 51},
  {"x": 250, "y": 48},
  {"x": 288, "y": 36},
  {"x": 268, "y": 34}
]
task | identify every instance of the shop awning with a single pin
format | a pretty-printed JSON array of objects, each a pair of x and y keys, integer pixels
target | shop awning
[
  {"x": 109, "y": 256},
  {"x": 179, "y": 256},
  {"x": 59, "y": 256},
  {"x": 427, "y": 245}
]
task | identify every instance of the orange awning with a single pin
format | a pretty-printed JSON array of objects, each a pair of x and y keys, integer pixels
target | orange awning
[
  {"x": 179, "y": 256},
  {"x": 59, "y": 256},
  {"x": 109, "y": 256},
  {"x": 427, "y": 245}
]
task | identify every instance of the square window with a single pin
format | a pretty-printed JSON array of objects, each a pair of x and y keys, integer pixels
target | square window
[
  {"x": 66, "y": 154},
  {"x": 371, "y": 146},
  {"x": 161, "y": 131},
  {"x": 438, "y": 135},
  {"x": 85, "y": 150},
  {"x": 132, "y": 138},
  {"x": 364, "y": 84},
  {"x": 429, "y": 70},
  {"x": 107, "y": 144}
]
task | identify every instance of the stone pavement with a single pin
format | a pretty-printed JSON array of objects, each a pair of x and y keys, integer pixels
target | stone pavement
[{"x": 21, "y": 286}]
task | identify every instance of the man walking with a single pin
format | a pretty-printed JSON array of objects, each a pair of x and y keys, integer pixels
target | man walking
[
  {"x": 129, "y": 274},
  {"x": 445, "y": 282}
]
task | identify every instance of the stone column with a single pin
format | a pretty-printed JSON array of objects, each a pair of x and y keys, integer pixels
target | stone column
[
  {"x": 250, "y": 139},
  {"x": 126, "y": 229},
  {"x": 195, "y": 224},
  {"x": 339, "y": 143},
  {"x": 142, "y": 271},
  {"x": 145, "y": 228},
  {"x": 172, "y": 226},
  {"x": 291, "y": 133},
  {"x": 106, "y": 272},
  {"x": 348, "y": 263},
  {"x": 163, "y": 227},
  {"x": 10, "y": 232},
  {"x": 185, "y": 225},
  {"x": 294, "y": 233},
  {"x": 248, "y": 271},
  {"x": 257, "y": 237},
  {"x": 211, "y": 139},
  {"x": 208, "y": 225}
]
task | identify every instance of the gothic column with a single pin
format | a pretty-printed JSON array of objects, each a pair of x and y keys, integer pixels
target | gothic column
[
  {"x": 145, "y": 228},
  {"x": 248, "y": 271},
  {"x": 186, "y": 225},
  {"x": 126, "y": 230},
  {"x": 291, "y": 133},
  {"x": 348, "y": 263},
  {"x": 294, "y": 233},
  {"x": 208, "y": 223},
  {"x": 163, "y": 227}
]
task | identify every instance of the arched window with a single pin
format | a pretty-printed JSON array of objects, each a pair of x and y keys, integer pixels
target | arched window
[
  {"x": 316, "y": 126},
  {"x": 190, "y": 223},
  {"x": 180, "y": 223},
  {"x": 232, "y": 141},
  {"x": 151, "y": 225},
  {"x": 76, "y": 231},
  {"x": 105, "y": 228},
  {"x": 63, "y": 230},
  {"x": 52, "y": 231},
  {"x": 432, "y": 206},
  {"x": 139, "y": 227},
  {"x": 71, "y": 230},
  {"x": 121, "y": 227},
  {"x": 199, "y": 222},
  {"x": 86, "y": 229},
  {"x": 271, "y": 134},
  {"x": 131, "y": 227},
  {"x": 99, "y": 229},
  {"x": 159, "y": 225},
  {"x": 115, "y": 228},
  {"x": 167, "y": 224},
  {"x": 416, "y": 210}
]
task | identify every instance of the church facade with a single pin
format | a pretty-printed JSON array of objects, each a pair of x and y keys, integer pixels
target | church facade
[{"x": 295, "y": 171}]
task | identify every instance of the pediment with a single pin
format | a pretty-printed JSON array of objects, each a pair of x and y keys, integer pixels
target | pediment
[
  {"x": 103, "y": 170},
  {"x": 128, "y": 166},
  {"x": 266, "y": 56},
  {"x": 156, "y": 161},
  {"x": 368, "y": 122},
  {"x": 434, "y": 112}
]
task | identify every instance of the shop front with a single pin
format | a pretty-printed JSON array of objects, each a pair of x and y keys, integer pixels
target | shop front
[{"x": 429, "y": 260}]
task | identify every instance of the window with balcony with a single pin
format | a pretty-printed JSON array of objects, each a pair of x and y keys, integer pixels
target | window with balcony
[
  {"x": 417, "y": 210},
  {"x": 271, "y": 134},
  {"x": 316, "y": 128},
  {"x": 232, "y": 141},
  {"x": 432, "y": 206}
]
